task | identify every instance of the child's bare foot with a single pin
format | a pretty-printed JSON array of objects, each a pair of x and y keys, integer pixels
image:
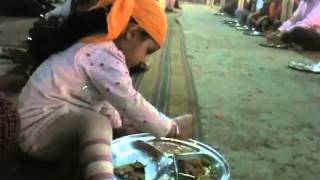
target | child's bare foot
[{"x": 185, "y": 126}]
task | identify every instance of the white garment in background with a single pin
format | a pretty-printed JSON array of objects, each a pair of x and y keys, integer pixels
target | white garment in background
[
  {"x": 259, "y": 4},
  {"x": 62, "y": 10},
  {"x": 306, "y": 16}
]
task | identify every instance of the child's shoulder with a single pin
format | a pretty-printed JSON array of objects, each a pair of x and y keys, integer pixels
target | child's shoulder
[{"x": 105, "y": 51}]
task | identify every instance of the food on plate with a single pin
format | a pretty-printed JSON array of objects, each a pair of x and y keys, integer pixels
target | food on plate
[
  {"x": 134, "y": 171},
  {"x": 201, "y": 169},
  {"x": 171, "y": 148}
]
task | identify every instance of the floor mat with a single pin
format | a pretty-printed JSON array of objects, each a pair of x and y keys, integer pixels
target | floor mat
[{"x": 168, "y": 84}]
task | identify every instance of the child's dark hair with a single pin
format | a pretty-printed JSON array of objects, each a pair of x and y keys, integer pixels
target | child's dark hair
[{"x": 145, "y": 34}]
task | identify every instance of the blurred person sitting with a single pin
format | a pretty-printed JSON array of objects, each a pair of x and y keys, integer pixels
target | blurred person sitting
[
  {"x": 177, "y": 5},
  {"x": 268, "y": 17},
  {"x": 254, "y": 17},
  {"x": 272, "y": 20},
  {"x": 302, "y": 30},
  {"x": 242, "y": 14},
  {"x": 230, "y": 7},
  {"x": 171, "y": 6}
]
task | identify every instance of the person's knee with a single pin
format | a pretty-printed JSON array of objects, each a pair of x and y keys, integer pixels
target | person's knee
[
  {"x": 90, "y": 119},
  {"x": 297, "y": 32},
  {"x": 296, "y": 35},
  {"x": 36, "y": 151}
]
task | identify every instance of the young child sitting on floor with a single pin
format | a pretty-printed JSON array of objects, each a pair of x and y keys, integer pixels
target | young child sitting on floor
[{"x": 76, "y": 97}]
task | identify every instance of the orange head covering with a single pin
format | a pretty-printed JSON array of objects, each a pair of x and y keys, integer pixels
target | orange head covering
[{"x": 147, "y": 13}]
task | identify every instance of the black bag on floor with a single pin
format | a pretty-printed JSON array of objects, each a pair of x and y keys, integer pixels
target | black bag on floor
[
  {"x": 42, "y": 40},
  {"x": 47, "y": 37},
  {"x": 26, "y": 8}
]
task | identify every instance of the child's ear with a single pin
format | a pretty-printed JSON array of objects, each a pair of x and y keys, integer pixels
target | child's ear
[{"x": 132, "y": 30}]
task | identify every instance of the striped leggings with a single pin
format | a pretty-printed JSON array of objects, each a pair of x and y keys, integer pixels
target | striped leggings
[{"x": 86, "y": 135}]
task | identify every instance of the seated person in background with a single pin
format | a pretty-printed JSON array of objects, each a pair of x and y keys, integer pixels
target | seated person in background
[
  {"x": 254, "y": 19},
  {"x": 267, "y": 17},
  {"x": 303, "y": 29},
  {"x": 272, "y": 20},
  {"x": 170, "y": 6},
  {"x": 71, "y": 6},
  {"x": 242, "y": 14},
  {"x": 230, "y": 7},
  {"x": 177, "y": 5}
]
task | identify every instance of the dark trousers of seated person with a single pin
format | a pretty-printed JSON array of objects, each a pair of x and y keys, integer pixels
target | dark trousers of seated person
[{"x": 307, "y": 39}]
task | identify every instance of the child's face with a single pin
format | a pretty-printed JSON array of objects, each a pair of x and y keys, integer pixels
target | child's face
[
  {"x": 140, "y": 51},
  {"x": 136, "y": 46}
]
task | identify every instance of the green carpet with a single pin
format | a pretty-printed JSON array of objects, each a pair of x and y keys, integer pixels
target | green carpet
[{"x": 168, "y": 84}]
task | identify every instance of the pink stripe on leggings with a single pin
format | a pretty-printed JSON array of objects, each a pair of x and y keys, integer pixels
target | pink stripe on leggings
[
  {"x": 94, "y": 141},
  {"x": 95, "y": 158}
]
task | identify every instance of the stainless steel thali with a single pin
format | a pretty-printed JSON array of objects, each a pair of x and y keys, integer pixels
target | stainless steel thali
[{"x": 157, "y": 167}]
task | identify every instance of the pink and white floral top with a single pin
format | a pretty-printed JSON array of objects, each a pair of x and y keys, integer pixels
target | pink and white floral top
[
  {"x": 90, "y": 76},
  {"x": 306, "y": 16}
]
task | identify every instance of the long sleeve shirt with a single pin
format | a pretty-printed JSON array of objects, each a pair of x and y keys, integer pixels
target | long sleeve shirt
[
  {"x": 90, "y": 76},
  {"x": 306, "y": 16}
]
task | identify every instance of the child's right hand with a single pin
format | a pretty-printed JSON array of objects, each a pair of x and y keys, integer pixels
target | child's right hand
[{"x": 182, "y": 127}]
